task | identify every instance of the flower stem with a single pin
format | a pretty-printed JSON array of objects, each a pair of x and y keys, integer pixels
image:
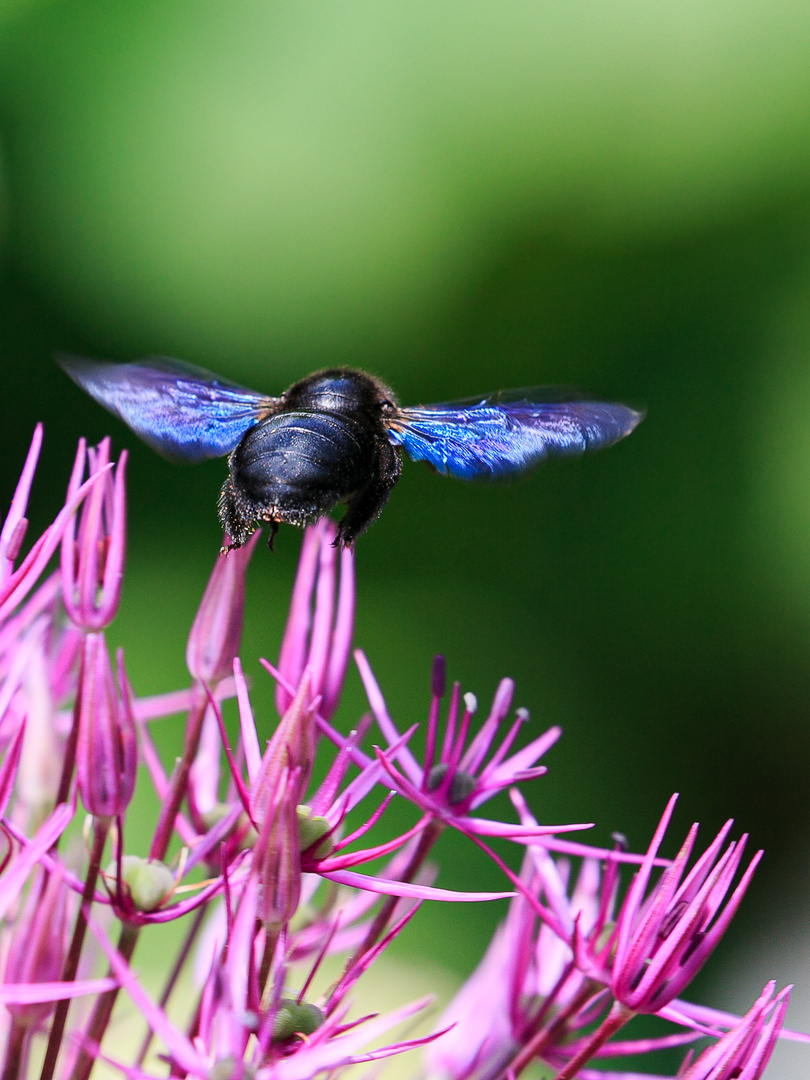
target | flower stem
[
  {"x": 528, "y": 1049},
  {"x": 69, "y": 759},
  {"x": 613, "y": 1022},
  {"x": 103, "y": 1008},
  {"x": 171, "y": 982},
  {"x": 15, "y": 1055},
  {"x": 171, "y": 805},
  {"x": 270, "y": 942},
  {"x": 101, "y": 827}
]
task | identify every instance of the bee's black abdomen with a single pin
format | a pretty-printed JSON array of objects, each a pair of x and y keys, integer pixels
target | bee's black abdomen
[
  {"x": 326, "y": 445},
  {"x": 303, "y": 461}
]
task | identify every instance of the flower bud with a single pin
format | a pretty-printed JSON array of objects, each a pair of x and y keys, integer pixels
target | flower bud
[
  {"x": 313, "y": 830},
  {"x": 277, "y": 854},
  {"x": 93, "y": 558},
  {"x": 295, "y": 1018},
  {"x": 37, "y": 950},
  {"x": 292, "y": 747},
  {"x": 318, "y": 632},
  {"x": 217, "y": 628},
  {"x": 148, "y": 881},
  {"x": 106, "y": 751}
]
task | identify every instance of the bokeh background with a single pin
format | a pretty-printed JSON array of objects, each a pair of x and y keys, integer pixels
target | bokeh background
[{"x": 460, "y": 197}]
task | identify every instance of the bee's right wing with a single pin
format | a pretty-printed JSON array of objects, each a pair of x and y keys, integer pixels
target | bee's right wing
[
  {"x": 508, "y": 433},
  {"x": 183, "y": 412}
]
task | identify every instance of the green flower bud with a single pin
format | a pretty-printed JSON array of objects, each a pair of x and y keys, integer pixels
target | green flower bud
[
  {"x": 311, "y": 827},
  {"x": 149, "y": 881},
  {"x": 294, "y": 1019}
]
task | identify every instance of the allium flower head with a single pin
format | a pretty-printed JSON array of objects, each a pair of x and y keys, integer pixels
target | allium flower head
[
  {"x": 269, "y": 873},
  {"x": 744, "y": 1051},
  {"x": 457, "y": 776},
  {"x": 664, "y": 937}
]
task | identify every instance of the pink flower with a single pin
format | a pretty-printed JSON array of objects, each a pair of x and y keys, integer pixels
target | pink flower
[
  {"x": 93, "y": 554},
  {"x": 38, "y": 947},
  {"x": 744, "y": 1051},
  {"x": 456, "y": 776},
  {"x": 281, "y": 849},
  {"x": 106, "y": 754},
  {"x": 318, "y": 636},
  {"x": 213, "y": 643},
  {"x": 664, "y": 936}
]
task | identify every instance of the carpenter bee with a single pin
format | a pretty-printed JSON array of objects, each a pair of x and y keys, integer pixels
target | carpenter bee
[{"x": 335, "y": 436}]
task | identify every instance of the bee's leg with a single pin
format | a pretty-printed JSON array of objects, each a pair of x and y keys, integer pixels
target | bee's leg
[
  {"x": 365, "y": 506},
  {"x": 273, "y": 529}
]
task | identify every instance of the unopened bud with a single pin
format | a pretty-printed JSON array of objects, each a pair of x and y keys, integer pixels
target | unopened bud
[
  {"x": 292, "y": 747},
  {"x": 438, "y": 678},
  {"x": 293, "y": 1018},
  {"x": 149, "y": 882},
  {"x": 37, "y": 950},
  {"x": 106, "y": 751},
  {"x": 93, "y": 553},
  {"x": 319, "y": 626},
  {"x": 277, "y": 854},
  {"x": 216, "y": 632},
  {"x": 312, "y": 828}
]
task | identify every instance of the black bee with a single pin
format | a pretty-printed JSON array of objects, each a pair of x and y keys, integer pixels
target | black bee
[{"x": 335, "y": 436}]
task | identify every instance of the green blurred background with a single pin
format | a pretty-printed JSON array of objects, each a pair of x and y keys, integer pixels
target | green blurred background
[{"x": 461, "y": 197}]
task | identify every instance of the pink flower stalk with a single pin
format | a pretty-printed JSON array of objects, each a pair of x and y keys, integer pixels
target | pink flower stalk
[
  {"x": 106, "y": 753},
  {"x": 213, "y": 643},
  {"x": 319, "y": 627},
  {"x": 37, "y": 948},
  {"x": 93, "y": 554},
  {"x": 277, "y": 855},
  {"x": 14, "y": 527}
]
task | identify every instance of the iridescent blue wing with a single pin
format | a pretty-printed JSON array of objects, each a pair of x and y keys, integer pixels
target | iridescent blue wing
[
  {"x": 183, "y": 412},
  {"x": 507, "y": 433}
]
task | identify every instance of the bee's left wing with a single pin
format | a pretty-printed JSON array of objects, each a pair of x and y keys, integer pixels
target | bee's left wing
[
  {"x": 183, "y": 412},
  {"x": 507, "y": 433}
]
